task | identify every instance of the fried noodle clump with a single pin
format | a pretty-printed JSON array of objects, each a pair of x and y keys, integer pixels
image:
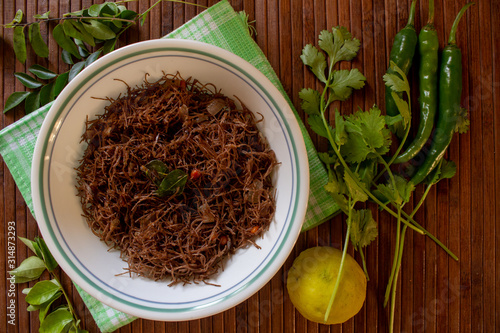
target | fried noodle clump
[{"x": 228, "y": 199}]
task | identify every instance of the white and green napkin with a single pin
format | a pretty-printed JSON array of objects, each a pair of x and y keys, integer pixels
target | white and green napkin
[{"x": 219, "y": 25}]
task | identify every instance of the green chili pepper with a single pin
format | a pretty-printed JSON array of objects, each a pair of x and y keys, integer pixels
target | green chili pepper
[
  {"x": 450, "y": 91},
  {"x": 428, "y": 46},
  {"x": 402, "y": 52}
]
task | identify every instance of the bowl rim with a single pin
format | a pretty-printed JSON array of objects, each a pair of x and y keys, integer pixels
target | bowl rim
[{"x": 50, "y": 125}]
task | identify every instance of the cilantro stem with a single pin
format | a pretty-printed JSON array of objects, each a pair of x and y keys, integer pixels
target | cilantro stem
[
  {"x": 395, "y": 283},
  {"x": 397, "y": 266},
  {"x": 365, "y": 269},
  {"x": 397, "y": 249},
  {"x": 341, "y": 267}
]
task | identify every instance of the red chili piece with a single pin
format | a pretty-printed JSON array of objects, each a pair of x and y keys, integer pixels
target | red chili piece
[{"x": 195, "y": 174}]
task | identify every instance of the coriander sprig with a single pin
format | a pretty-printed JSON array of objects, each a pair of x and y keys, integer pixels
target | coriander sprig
[{"x": 360, "y": 144}]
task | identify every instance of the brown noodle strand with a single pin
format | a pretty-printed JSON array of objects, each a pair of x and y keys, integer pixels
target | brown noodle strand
[{"x": 183, "y": 237}]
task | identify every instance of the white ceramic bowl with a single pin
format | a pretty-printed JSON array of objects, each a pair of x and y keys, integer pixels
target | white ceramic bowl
[{"x": 85, "y": 259}]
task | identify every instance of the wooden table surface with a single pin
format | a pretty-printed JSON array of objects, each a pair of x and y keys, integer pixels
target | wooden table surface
[{"x": 435, "y": 293}]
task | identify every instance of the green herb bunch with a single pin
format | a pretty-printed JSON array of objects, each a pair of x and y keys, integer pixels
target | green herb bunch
[
  {"x": 83, "y": 35},
  {"x": 42, "y": 296},
  {"x": 358, "y": 160}
]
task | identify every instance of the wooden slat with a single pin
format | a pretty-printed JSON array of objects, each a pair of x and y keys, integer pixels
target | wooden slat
[{"x": 435, "y": 293}]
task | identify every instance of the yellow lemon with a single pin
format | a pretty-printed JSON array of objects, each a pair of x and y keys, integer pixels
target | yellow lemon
[{"x": 311, "y": 280}]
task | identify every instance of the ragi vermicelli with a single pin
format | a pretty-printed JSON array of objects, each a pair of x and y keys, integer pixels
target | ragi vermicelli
[{"x": 207, "y": 141}]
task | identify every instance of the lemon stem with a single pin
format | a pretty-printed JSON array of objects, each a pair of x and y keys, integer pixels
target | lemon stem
[{"x": 341, "y": 267}]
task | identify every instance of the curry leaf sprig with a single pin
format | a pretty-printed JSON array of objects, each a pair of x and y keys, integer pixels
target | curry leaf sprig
[
  {"x": 42, "y": 296},
  {"x": 83, "y": 36}
]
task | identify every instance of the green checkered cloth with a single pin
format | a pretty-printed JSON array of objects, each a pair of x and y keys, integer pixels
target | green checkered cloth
[{"x": 219, "y": 25}]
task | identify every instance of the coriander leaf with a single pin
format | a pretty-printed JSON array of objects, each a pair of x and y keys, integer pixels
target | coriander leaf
[
  {"x": 337, "y": 189},
  {"x": 317, "y": 125},
  {"x": 315, "y": 60},
  {"x": 391, "y": 120},
  {"x": 445, "y": 169},
  {"x": 386, "y": 193},
  {"x": 462, "y": 124},
  {"x": 347, "y": 46},
  {"x": 356, "y": 191},
  {"x": 367, "y": 134},
  {"x": 370, "y": 125},
  {"x": 396, "y": 83},
  {"x": 340, "y": 132},
  {"x": 403, "y": 108},
  {"x": 363, "y": 228},
  {"x": 448, "y": 169},
  {"x": 328, "y": 158},
  {"x": 310, "y": 101},
  {"x": 344, "y": 81},
  {"x": 327, "y": 44},
  {"x": 366, "y": 171},
  {"x": 404, "y": 188},
  {"x": 355, "y": 149}
]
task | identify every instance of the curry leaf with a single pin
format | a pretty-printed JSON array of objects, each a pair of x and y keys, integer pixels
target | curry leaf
[
  {"x": 56, "y": 321},
  {"x": 42, "y": 292},
  {"x": 19, "y": 41},
  {"x": 99, "y": 30},
  {"x": 30, "y": 269},
  {"x": 45, "y": 307},
  {"x": 92, "y": 57},
  {"x": 17, "y": 19},
  {"x": 32, "y": 102},
  {"x": 15, "y": 99},
  {"x": 43, "y": 16},
  {"x": 28, "y": 81},
  {"x": 46, "y": 95},
  {"x": 60, "y": 83},
  {"x": 66, "y": 57},
  {"x": 173, "y": 183},
  {"x": 71, "y": 30},
  {"x": 42, "y": 72},
  {"x": 77, "y": 68},
  {"x": 36, "y": 40},
  {"x": 64, "y": 41}
]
